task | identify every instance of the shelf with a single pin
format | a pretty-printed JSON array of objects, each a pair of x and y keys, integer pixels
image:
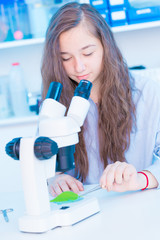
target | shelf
[
  {"x": 19, "y": 43},
  {"x": 137, "y": 26},
  {"x": 117, "y": 29},
  {"x": 18, "y": 120}
]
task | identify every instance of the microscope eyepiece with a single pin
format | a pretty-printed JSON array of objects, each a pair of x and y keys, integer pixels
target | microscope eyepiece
[
  {"x": 83, "y": 89},
  {"x": 54, "y": 91}
]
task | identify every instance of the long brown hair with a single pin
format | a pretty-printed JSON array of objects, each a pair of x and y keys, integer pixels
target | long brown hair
[{"x": 115, "y": 107}]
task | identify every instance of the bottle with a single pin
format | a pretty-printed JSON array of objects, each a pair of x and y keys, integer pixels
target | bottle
[
  {"x": 18, "y": 91},
  {"x": 5, "y": 105}
]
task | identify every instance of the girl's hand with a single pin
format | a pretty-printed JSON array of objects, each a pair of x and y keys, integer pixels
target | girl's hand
[
  {"x": 62, "y": 183},
  {"x": 121, "y": 177}
]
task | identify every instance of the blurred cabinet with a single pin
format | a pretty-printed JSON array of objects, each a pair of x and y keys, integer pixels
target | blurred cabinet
[
  {"x": 116, "y": 29},
  {"x": 27, "y": 20}
]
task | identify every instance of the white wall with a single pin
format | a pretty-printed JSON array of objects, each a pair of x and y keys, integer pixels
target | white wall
[{"x": 139, "y": 47}]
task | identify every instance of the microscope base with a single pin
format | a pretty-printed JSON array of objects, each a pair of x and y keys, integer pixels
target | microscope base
[{"x": 63, "y": 215}]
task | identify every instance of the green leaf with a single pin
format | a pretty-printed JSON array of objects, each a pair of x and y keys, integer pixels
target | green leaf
[{"x": 65, "y": 196}]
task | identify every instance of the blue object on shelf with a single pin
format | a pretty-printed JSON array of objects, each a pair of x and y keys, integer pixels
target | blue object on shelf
[
  {"x": 105, "y": 14},
  {"x": 115, "y": 4},
  {"x": 99, "y": 4},
  {"x": 14, "y": 16},
  {"x": 5, "y": 26},
  {"x": 118, "y": 17},
  {"x": 137, "y": 15}
]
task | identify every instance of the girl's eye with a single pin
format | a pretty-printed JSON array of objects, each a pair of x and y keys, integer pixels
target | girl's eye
[
  {"x": 65, "y": 59},
  {"x": 88, "y": 54}
]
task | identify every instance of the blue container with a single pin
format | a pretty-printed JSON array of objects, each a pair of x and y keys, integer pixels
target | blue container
[
  {"x": 14, "y": 15},
  {"x": 5, "y": 25},
  {"x": 115, "y": 4},
  {"x": 105, "y": 14},
  {"x": 118, "y": 17},
  {"x": 99, "y": 4},
  {"x": 19, "y": 20},
  {"x": 138, "y": 15}
]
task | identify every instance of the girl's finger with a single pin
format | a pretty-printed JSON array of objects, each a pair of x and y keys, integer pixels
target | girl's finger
[
  {"x": 73, "y": 185},
  {"x": 63, "y": 185},
  {"x": 52, "y": 192},
  {"x": 110, "y": 177},
  {"x": 57, "y": 189},
  {"x": 119, "y": 173},
  {"x": 128, "y": 172},
  {"x": 80, "y": 185},
  {"x": 103, "y": 177}
]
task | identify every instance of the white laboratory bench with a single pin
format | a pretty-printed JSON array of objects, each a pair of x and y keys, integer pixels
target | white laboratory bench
[{"x": 123, "y": 216}]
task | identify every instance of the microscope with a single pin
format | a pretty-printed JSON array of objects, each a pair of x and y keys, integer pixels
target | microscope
[{"x": 52, "y": 150}]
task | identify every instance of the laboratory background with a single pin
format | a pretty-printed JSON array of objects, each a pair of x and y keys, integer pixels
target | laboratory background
[{"x": 23, "y": 23}]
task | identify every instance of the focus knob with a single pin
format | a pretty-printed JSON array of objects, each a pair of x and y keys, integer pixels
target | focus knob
[
  {"x": 12, "y": 148},
  {"x": 45, "y": 148}
]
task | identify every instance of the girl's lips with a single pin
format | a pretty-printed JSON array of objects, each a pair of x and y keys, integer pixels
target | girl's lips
[{"x": 83, "y": 77}]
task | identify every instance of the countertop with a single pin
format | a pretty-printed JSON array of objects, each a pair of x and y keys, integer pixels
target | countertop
[{"x": 123, "y": 216}]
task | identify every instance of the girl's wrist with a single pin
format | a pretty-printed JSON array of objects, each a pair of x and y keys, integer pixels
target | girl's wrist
[{"x": 144, "y": 180}]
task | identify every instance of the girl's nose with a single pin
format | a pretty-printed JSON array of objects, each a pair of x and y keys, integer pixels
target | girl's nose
[{"x": 79, "y": 65}]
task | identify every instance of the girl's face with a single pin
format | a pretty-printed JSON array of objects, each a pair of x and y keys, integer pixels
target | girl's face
[{"x": 82, "y": 54}]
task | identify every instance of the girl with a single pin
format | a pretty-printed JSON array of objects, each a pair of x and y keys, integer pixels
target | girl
[{"x": 122, "y": 127}]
